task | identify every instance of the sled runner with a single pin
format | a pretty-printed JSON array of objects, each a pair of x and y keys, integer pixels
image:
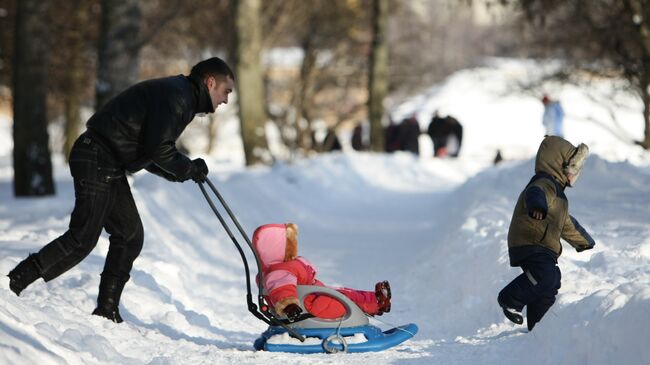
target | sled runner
[{"x": 309, "y": 334}]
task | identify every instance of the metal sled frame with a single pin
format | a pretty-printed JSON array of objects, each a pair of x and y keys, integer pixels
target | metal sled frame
[{"x": 328, "y": 330}]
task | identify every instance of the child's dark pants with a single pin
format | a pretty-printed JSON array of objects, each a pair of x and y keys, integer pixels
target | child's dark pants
[{"x": 536, "y": 288}]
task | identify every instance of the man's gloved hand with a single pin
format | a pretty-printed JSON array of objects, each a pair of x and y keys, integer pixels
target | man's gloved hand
[
  {"x": 292, "y": 311},
  {"x": 199, "y": 170}
]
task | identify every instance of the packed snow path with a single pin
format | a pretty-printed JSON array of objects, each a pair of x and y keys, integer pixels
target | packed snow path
[{"x": 363, "y": 218}]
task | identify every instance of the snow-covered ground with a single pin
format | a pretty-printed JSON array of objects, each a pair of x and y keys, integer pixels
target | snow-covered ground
[{"x": 436, "y": 228}]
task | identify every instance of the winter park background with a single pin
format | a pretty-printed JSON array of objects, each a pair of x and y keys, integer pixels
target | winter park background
[{"x": 435, "y": 228}]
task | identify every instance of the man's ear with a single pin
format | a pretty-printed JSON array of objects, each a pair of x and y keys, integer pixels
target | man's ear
[{"x": 209, "y": 82}]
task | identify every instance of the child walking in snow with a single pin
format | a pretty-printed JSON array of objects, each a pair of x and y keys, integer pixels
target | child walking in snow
[
  {"x": 276, "y": 246},
  {"x": 540, "y": 219}
]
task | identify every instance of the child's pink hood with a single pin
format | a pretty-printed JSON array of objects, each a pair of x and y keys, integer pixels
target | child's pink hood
[{"x": 270, "y": 241}]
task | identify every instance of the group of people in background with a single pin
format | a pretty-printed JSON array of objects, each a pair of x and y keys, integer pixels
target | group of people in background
[{"x": 446, "y": 133}]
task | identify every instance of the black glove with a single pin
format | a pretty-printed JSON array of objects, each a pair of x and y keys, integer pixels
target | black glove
[
  {"x": 199, "y": 171},
  {"x": 292, "y": 311}
]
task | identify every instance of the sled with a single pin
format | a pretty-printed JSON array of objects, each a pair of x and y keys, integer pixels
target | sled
[
  {"x": 308, "y": 334},
  {"x": 351, "y": 333}
]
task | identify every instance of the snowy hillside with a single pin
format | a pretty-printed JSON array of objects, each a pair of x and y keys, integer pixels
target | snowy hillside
[{"x": 435, "y": 228}]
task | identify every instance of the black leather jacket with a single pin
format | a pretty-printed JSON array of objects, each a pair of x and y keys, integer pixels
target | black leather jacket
[{"x": 141, "y": 125}]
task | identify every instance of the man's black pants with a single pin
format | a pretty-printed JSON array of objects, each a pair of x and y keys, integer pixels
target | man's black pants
[
  {"x": 536, "y": 288},
  {"x": 103, "y": 199}
]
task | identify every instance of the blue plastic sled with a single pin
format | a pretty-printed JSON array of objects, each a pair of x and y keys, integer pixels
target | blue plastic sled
[
  {"x": 331, "y": 333},
  {"x": 377, "y": 340}
]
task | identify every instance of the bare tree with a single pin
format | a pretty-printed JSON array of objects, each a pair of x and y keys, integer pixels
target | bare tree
[
  {"x": 119, "y": 48},
  {"x": 605, "y": 38},
  {"x": 250, "y": 85},
  {"x": 331, "y": 79},
  {"x": 378, "y": 80},
  {"x": 31, "y": 157},
  {"x": 73, "y": 32}
]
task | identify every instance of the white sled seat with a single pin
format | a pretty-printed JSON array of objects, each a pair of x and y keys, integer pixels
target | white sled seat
[{"x": 353, "y": 317}]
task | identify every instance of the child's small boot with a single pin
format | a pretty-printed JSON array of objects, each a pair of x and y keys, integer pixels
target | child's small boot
[
  {"x": 511, "y": 313},
  {"x": 382, "y": 292}
]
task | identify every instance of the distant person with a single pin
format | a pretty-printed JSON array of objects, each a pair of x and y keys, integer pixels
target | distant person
[
  {"x": 446, "y": 134},
  {"x": 135, "y": 130},
  {"x": 391, "y": 137},
  {"x": 357, "y": 138},
  {"x": 409, "y": 133},
  {"x": 541, "y": 217},
  {"x": 553, "y": 118},
  {"x": 331, "y": 142},
  {"x": 498, "y": 158}
]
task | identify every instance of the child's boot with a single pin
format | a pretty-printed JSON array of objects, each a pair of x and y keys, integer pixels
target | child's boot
[
  {"x": 382, "y": 292},
  {"x": 512, "y": 314}
]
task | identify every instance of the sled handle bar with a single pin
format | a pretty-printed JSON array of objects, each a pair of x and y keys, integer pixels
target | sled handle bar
[{"x": 265, "y": 314}]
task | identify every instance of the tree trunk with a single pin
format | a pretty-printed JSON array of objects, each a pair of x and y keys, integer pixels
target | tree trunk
[
  {"x": 378, "y": 74},
  {"x": 250, "y": 81},
  {"x": 302, "y": 97},
  {"x": 74, "y": 77},
  {"x": 646, "y": 117},
  {"x": 212, "y": 134},
  {"x": 644, "y": 32},
  {"x": 32, "y": 164},
  {"x": 119, "y": 48}
]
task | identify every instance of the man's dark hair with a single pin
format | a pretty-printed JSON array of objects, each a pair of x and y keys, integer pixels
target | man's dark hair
[{"x": 214, "y": 66}]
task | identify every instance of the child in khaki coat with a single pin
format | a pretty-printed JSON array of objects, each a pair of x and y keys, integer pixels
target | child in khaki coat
[{"x": 540, "y": 219}]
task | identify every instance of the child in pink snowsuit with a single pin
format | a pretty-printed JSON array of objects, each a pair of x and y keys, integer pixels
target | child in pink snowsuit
[{"x": 277, "y": 248}]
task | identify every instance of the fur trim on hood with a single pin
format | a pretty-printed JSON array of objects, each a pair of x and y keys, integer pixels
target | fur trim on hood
[
  {"x": 291, "y": 249},
  {"x": 576, "y": 162},
  {"x": 559, "y": 158},
  {"x": 275, "y": 243}
]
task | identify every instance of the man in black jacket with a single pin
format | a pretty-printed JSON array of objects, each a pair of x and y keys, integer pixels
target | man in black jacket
[{"x": 135, "y": 130}]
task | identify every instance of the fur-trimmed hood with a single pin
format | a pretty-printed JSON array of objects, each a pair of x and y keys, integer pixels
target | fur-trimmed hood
[
  {"x": 275, "y": 243},
  {"x": 559, "y": 158}
]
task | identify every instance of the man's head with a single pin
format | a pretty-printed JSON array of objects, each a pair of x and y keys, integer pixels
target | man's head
[{"x": 217, "y": 77}]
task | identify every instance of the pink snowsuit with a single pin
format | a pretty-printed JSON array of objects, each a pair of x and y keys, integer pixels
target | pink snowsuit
[{"x": 281, "y": 277}]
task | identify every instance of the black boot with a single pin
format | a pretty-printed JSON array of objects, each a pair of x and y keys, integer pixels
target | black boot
[
  {"x": 25, "y": 273},
  {"x": 108, "y": 299},
  {"x": 512, "y": 314}
]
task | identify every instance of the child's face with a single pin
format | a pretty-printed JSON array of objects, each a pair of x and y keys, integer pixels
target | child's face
[{"x": 572, "y": 179}]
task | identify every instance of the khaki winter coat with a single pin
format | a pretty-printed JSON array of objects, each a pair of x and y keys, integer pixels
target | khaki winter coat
[{"x": 556, "y": 158}]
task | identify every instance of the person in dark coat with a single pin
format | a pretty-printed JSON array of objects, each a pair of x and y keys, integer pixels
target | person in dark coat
[
  {"x": 331, "y": 142},
  {"x": 135, "y": 130},
  {"x": 541, "y": 217},
  {"x": 409, "y": 132},
  {"x": 357, "y": 138},
  {"x": 391, "y": 137},
  {"x": 442, "y": 131}
]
